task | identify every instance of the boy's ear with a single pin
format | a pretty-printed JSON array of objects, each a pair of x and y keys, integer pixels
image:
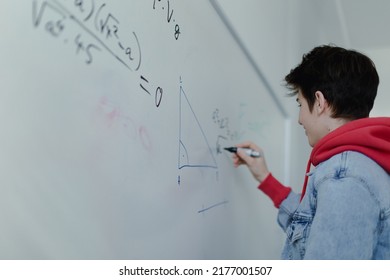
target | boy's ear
[{"x": 320, "y": 104}]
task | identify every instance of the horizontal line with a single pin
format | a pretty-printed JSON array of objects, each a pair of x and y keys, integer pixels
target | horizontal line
[
  {"x": 198, "y": 166},
  {"x": 213, "y": 206}
]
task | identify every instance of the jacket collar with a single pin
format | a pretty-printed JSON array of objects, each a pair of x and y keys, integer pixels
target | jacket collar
[{"x": 369, "y": 136}]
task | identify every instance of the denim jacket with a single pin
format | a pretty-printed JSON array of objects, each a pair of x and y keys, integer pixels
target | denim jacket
[{"x": 344, "y": 214}]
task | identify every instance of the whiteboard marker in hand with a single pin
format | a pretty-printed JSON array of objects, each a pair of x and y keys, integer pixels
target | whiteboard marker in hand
[{"x": 248, "y": 151}]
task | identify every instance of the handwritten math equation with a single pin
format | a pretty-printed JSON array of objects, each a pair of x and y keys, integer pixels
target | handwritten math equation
[
  {"x": 225, "y": 133},
  {"x": 99, "y": 30},
  {"x": 166, "y": 6}
]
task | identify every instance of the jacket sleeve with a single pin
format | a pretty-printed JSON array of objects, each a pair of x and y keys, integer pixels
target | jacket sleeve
[
  {"x": 345, "y": 222},
  {"x": 283, "y": 198}
]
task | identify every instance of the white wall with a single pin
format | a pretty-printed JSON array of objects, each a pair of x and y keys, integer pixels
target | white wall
[{"x": 381, "y": 58}]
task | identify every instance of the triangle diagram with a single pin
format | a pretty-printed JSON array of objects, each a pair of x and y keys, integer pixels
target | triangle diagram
[{"x": 194, "y": 148}]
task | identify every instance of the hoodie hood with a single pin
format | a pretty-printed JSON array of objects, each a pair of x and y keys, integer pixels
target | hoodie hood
[{"x": 369, "y": 136}]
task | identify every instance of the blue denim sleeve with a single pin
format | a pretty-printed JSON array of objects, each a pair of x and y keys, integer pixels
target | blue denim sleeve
[
  {"x": 287, "y": 208},
  {"x": 345, "y": 222}
]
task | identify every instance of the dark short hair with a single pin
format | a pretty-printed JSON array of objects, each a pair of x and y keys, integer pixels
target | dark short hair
[{"x": 348, "y": 80}]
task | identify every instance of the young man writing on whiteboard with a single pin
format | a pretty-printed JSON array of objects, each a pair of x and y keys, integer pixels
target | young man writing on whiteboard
[{"x": 343, "y": 211}]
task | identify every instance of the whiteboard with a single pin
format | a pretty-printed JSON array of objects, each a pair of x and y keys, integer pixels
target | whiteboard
[{"x": 113, "y": 119}]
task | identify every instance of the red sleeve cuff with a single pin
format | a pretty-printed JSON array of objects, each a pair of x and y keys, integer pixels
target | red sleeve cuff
[{"x": 274, "y": 190}]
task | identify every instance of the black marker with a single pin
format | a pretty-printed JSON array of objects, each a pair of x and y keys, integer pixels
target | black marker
[{"x": 248, "y": 151}]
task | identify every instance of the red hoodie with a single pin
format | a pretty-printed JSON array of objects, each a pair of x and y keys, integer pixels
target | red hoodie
[{"x": 369, "y": 136}]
